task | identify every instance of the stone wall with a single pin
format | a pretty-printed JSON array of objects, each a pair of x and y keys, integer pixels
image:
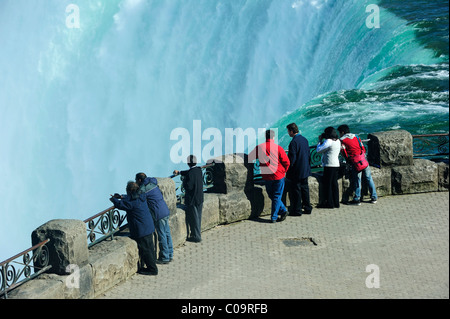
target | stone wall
[{"x": 233, "y": 198}]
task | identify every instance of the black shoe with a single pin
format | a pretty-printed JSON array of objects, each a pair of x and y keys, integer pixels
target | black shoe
[
  {"x": 283, "y": 216},
  {"x": 162, "y": 261},
  {"x": 147, "y": 272},
  {"x": 194, "y": 240},
  {"x": 295, "y": 214}
]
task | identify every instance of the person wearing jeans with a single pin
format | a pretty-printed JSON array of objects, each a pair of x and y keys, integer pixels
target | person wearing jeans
[
  {"x": 165, "y": 241},
  {"x": 273, "y": 164},
  {"x": 356, "y": 179},
  {"x": 160, "y": 213},
  {"x": 352, "y": 148}
]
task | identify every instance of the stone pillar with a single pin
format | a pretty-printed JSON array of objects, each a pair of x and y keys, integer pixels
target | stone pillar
[
  {"x": 68, "y": 243},
  {"x": 232, "y": 176},
  {"x": 167, "y": 187},
  {"x": 231, "y": 173},
  {"x": 391, "y": 148}
]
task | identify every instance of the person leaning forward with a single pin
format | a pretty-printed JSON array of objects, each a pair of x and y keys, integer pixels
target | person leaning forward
[
  {"x": 141, "y": 226},
  {"x": 160, "y": 213},
  {"x": 273, "y": 164},
  {"x": 194, "y": 197},
  {"x": 298, "y": 173}
]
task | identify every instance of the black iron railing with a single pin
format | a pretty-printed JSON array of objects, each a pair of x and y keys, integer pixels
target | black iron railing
[
  {"x": 432, "y": 146},
  {"x": 22, "y": 267},
  {"x": 105, "y": 224}
]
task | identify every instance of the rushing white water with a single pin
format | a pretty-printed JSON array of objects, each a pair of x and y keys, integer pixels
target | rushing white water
[{"x": 84, "y": 109}]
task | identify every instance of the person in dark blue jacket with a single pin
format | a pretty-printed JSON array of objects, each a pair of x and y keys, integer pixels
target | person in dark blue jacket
[
  {"x": 141, "y": 225},
  {"x": 193, "y": 186},
  {"x": 298, "y": 173},
  {"x": 160, "y": 212}
]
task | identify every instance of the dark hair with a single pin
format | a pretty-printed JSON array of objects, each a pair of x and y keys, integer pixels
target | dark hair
[
  {"x": 132, "y": 187},
  {"x": 344, "y": 129},
  {"x": 330, "y": 133},
  {"x": 270, "y": 134},
  {"x": 192, "y": 160},
  {"x": 293, "y": 128},
  {"x": 140, "y": 177}
]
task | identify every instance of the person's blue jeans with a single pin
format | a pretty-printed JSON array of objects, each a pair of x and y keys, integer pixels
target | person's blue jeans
[
  {"x": 275, "y": 191},
  {"x": 357, "y": 183},
  {"x": 165, "y": 239}
]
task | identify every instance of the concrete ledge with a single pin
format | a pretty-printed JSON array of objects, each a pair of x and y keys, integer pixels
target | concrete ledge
[
  {"x": 420, "y": 177},
  {"x": 234, "y": 207},
  {"x": 112, "y": 261}
]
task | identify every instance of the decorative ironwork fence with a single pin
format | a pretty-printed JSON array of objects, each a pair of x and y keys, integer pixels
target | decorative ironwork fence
[
  {"x": 431, "y": 146},
  {"x": 105, "y": 224},
  {"x": 12, "y": 276}
]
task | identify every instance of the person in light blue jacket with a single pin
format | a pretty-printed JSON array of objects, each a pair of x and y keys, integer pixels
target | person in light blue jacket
[{"x": 330, "y": 146}]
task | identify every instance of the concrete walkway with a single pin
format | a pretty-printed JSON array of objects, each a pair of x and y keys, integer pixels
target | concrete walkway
[{"x": 402, "y": 242}]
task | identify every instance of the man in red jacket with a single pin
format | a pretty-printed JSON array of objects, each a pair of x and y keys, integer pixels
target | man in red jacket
[{"x": 274, "y": 164}]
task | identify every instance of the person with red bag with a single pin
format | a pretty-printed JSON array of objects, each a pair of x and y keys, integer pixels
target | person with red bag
[{"x": 355, "y": 153}]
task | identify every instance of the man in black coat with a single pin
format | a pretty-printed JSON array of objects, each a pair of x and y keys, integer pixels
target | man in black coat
[
  {"x": 298, "y": 173},
  {"x": 193, "y": 187}
]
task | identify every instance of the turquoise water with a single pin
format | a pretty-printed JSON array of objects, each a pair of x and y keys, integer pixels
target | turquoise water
[
  {"x": 405, "y": 85},
  {"x": 84, "y": 109}
]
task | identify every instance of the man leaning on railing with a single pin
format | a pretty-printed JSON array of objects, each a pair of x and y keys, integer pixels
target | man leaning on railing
[{"x": 141, "y": 225}]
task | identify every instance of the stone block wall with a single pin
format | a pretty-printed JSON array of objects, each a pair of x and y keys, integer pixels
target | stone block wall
[{"x": 233, "y": 198}]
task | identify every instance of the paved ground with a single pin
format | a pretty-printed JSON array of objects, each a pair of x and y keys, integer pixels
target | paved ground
[{"x": 404, "y": 238}]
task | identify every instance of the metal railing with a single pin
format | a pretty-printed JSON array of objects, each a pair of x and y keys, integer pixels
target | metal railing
[
  {"x": 12, "y": 277},
  {"x": 106, "y": 224},
  {"x": 431, "y": 146}
]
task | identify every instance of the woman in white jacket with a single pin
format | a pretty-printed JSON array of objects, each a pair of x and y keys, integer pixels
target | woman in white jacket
[{"x": 330, "y": 146}]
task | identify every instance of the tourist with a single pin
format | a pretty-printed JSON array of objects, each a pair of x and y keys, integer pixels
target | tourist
[
  {"x": 330, "y": 146},
  {"x": 141, "y": 226},
  {"x": 273, "y": 164},
  {"x": 355, "y": 153},
  {"x": 160, "y": 213},
  {"x": 193, "y": 200},
  {"x": 298, "y": 173}
]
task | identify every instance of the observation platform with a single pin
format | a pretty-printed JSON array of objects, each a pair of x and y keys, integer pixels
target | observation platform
[{"x": 399, "y": 245}]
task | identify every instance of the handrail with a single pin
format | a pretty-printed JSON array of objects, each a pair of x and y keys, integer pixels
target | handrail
[
  {"x": 425, "y": 145},
  {"x": 109, "y": 222},
  {"x": 23, "y": 252},
  {"x": 10, "y": 277}
]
